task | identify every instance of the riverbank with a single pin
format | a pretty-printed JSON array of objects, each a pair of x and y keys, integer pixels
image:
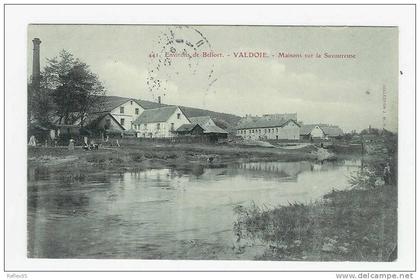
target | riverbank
[
  {"x": 356, "y": 224},
  {"x": 142, "y": 156},
  {"x": 350, "y": 225}
]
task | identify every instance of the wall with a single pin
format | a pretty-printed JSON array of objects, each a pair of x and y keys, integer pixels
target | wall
[
  {"x": 289, "y": 131},
  {"x": 129, "y": 114},
  {"x": 317, "y": 133}
]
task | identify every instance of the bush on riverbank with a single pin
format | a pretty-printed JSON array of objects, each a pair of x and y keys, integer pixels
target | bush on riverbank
[
  {"x": 351, "y": 225},
  {"x": 357, "y": 224}
]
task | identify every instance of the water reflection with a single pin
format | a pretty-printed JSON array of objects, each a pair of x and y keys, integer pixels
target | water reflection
[
  {"x": 163, "y": 213},
  {"x": 284, "y": 170}
]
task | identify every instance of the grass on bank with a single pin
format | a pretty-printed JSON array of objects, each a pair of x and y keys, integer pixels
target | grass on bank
[
  {"x": 357, "y": 224},
  {"x": 155, "y": 155},
  {"x": 349, "y": 225}
]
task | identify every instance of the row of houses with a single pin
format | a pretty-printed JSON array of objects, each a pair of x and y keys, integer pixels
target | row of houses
[
  {"x": 284, "y": 127},
  {"x": 145, "y": 119}
]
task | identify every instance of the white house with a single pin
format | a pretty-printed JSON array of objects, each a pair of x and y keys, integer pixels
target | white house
[
  {"x": 320, "y": 131},
  {"x": 124, "y": 110},
  {"x": 160, "y": 122},
  {"x": 269, "y": 127}
]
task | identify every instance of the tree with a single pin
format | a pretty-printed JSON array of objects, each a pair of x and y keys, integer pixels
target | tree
[
  {"x": 72, "y": 88},
  {"x": 41, "y": 105}
]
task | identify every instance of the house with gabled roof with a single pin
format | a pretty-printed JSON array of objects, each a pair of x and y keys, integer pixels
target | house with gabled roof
[
  {"x": 203, "y": 121},
  {"x": 211, "y": 130},
  {"x": 320, "y": 131},
  {"x": 104, "y": 121},
  {"x": 123, "y": 109},
  {"x": 190, "y": 129},
  {"x": 126, "y": 110},
  {"x": 160, "y": 122},
  {"x": 269, "y": 127}
]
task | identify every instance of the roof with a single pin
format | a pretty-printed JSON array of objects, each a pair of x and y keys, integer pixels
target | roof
[
  {"x": 262, "y": 122},
  {"x": 214, "y": 129},
  {"x": 93, "y": 119},
  {"x": 330, "y": 130},
  {"x": 109, "y": 102},
  {"x": 202, "y": 120},
  {"x": 230, "y": 119},
  {"x": 306, "y": 129},
  {"x": 188, "y": 127},
  {"x": 161, "y": 114},
  {"x": 149, "y": 104}
]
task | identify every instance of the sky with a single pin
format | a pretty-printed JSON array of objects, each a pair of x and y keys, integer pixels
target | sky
[{"x": 350, "y": 92}]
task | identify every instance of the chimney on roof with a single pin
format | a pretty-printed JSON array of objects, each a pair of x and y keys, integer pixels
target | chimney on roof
[
  {"x": 159, "y": 100},
  {"x": 36, "y": 72}
]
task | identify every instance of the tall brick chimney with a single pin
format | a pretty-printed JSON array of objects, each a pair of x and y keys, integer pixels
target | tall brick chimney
[{"x": 36, "y": 71}]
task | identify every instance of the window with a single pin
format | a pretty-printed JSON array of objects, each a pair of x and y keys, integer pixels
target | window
[
  {"x": 172, "y": 126},
  {"x": 137, "y": 111},
  {"x": 131, "y": 123},
  {"x": 158, "y": 126},
  {"x": 122, "y": 121},
  {"x": 178, "y": 116},
  {"x": 121, "y": 110},
  {"x": 131, "y": 102}
]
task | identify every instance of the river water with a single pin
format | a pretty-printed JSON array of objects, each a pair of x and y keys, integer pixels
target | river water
[{"x": 164, "y": 213}]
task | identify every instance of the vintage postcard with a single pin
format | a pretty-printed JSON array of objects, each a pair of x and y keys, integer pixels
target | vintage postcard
[{"x": 212, "y": 142}]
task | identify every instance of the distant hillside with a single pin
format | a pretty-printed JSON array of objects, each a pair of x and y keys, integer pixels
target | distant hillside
[{"x": 229, "y": 119}]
